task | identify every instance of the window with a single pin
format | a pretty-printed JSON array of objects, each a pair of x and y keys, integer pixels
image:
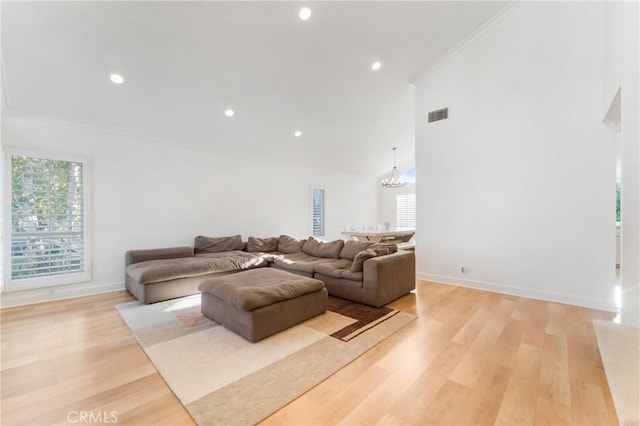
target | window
[
  {"x": 406, "y": 210},
  {"x": 49, "y": 222},
  {"x": 618, "y": 193},
  {"x": 318, "y": 212}
]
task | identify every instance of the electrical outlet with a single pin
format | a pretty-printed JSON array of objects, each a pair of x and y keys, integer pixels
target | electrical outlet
[{"x": 463, "y": 269}]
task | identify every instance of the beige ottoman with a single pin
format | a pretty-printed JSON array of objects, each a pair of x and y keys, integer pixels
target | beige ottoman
[{"x": 260, "y": 302}]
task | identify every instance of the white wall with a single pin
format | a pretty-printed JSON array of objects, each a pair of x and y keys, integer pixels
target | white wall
[
  {"x": 518, "y": 184},
  {"x": 613, "y": 52},
  {"x": 630, "y": 272},
  {"x": 150, "y": 194}
]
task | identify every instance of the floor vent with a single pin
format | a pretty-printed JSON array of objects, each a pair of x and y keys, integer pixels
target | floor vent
[{"x": 440, "y": 114}]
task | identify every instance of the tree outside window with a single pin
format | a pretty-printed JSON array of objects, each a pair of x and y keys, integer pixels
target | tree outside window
[{"x": 48, "y": 220}]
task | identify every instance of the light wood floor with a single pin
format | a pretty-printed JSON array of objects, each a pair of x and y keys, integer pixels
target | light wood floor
[{"x": 471, "y": 357}]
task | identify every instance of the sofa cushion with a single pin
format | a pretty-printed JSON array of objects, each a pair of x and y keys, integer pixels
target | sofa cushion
[
  {"x": 287, "y": 244},
  {"x": 218, "y": 244},
  {"x": 153, "y": 271},
  {"x": 269, "y": 256},
  {"x": 319, "y": 248},
  {"x": 333, "y": 269},
  {"x": 301, "y": 262},
  {"x": 339, "y": 269},
  {"x": 263, "y": 245},
  {"x": 374, "y": 250},
  {"x": 352, "y": 248},
  {"x": 347, "y": 274},
  {"x": 231, "y": 255}
]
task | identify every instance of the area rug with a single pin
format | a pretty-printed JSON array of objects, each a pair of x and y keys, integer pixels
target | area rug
[
  {"x": 620, "y": 351},
  {"x": 220, "y": 378}
]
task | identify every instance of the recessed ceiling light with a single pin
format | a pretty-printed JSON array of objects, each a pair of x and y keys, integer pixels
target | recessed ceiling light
[
  {"x": 116, "y": 78},
  {"x": 376, "y": 66},
  {"x": 297, "y": 134},
  {"x": 229, "y": 113},
  {"x": 305, "y": 13}
]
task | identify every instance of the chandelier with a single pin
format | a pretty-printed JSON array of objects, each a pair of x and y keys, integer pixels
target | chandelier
[{"x": 393, "y": 180}]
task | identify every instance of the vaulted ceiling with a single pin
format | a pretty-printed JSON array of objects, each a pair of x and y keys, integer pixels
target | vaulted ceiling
[{"x": 184, "y": 63}]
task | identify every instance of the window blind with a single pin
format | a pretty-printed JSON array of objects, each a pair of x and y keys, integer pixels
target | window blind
[
  {"x": 318, "y": 212},
  {"x": 406, "y": 210}
]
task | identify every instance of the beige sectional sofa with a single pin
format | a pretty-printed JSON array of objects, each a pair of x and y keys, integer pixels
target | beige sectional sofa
[{"x": 373, "y": 274}]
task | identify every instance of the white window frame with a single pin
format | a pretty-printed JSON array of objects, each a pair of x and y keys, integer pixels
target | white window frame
[
  {"x": 323, "y": 224},
  {"x": 53, "y": 280}
]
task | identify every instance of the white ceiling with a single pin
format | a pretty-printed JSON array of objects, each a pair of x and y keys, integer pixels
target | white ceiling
[{"x": 184, "y": 63}]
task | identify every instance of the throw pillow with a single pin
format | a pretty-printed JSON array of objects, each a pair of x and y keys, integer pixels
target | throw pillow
[
  {"x": 374, "y": 250},
  {"x": 358, "y": 261},
  {"x": 287, "y": 244},
  {"x": 381, "y": 248},
  {"x": 352, "y": 248},
  {"x": 262, "y": 244},
  {"x": 318, "y": 248},
  {"x": 218, "y": 244}
]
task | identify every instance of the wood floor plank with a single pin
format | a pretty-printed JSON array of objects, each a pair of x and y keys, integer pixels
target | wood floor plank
[
  {"x": 374, "y": 408},
  {"x": 588, "y": 405},
  {"x": 415, "y": 354},
  {"x": 469, "y": 332},
  {"x": 556, "y": 319},
  {"x": 390, "y": 419},
  {"x": 473, "y": 363},
  {"x": 554, "y": 372},
  {"x": 507, "y": 346},
  {"x": 550, "y": 412},
  {"x": 520, "y": 397},
  {"x": 410, "y": 406},
  {"x": 483, "y": 404},
  {"x": 439, "y": 411},
  {"x": 471, "y": 357}
]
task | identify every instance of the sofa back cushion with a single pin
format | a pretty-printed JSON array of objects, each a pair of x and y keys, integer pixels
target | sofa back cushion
[
  {"x": 352, "y": 248},
  {"x": 264, "y": 245},
  {"x": 136, "y": 256},
  {"x": 218, "y": 244},
  {"x": 318, "y": 248},
  {"x": 374, "y": 250},
  {"x": 287, "y": 244}
]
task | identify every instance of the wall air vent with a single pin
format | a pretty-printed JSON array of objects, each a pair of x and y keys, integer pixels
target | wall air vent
[{"x": 440, "y": 114}]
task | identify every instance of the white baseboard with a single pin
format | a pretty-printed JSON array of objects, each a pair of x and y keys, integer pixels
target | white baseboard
[
  {"x": 47, "y": 294},
  {"x": 567, "y": 299}
]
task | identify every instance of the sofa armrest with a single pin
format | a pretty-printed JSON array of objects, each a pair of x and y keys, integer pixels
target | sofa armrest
[
  {"x": 137, "y": 256},
  {"x": 390, "y": 276}
]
